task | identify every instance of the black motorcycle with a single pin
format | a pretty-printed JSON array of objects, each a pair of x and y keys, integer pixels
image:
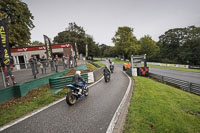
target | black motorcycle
[
  {"x": 111, "y": 68},
  {"x": 107, "y": 77}
]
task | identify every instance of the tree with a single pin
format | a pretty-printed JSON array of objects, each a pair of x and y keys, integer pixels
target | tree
[
  {"x": 125, "y": 42},
  {"x": 149, "y": 47},
  {"x": 190, "y": 52},
  {"x": 173, "y": 40},
  {"x": 36, "y": 43},
  {"x": 76, "y": 34},
  {"x": 19, "y": 21}
]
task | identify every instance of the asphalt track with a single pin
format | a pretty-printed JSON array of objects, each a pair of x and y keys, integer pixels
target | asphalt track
[
  {"x": 89, "y": 115},
  {"x": 182, "y": 75}
]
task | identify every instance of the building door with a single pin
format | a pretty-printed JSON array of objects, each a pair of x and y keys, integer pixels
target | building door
[{"x": 22, "y": 62}]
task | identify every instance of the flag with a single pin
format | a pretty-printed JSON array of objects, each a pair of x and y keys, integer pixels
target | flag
[
  {"x": 4, "y": 46},
  {"x": 48, "y": 48}
]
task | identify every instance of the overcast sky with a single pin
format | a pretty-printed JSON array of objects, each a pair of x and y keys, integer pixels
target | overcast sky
[{"x": 101, "y": 18}]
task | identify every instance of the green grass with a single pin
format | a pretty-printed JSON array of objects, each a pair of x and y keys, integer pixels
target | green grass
[
  {"x": 160, "y": 108},
  {"x": 100, "y": 64},
  {"x": 35, "y": 99},
  {"x": 90, "y": 66},
  {"x": 119, "y": 61},
  {"x": 175, "y": 68}
]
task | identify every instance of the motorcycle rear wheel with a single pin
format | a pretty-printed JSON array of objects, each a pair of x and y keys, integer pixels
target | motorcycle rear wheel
[
  {"x": 71, "y": 99},
  {"x": 87, "y": 92}
]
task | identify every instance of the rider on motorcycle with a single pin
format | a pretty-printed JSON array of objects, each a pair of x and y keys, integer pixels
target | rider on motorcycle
[
  {"x": 76, "y": 81},
  {"x": 106, "y": 71}
]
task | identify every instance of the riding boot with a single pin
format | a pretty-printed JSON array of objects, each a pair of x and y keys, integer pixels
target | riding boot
[
  {"x": 7, "y": 81},
  {"x": 13, "y": 79}
]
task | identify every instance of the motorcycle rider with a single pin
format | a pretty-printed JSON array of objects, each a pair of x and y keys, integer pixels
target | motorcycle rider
[
  {"x": 76, "y": 81},
  {"x": 106, "y": 71}
]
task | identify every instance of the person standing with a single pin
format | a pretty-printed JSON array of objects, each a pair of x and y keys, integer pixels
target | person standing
[
  {"x": 56, "y": 62},
  {"x": 75, "y": 62},
  {"x": 43, "y": 65},
  {"x": 70, "y": 61},
  {"x": 8, "y": 72},
  {"x": 35, "y": 64},
  {"x": 31, "y": 62}
]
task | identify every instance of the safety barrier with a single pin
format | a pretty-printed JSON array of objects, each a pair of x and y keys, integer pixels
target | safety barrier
[
  {"x": 181, "y": 84},
  {"x": 61, "y": 82},
  {"x": 22, "y": 89}
]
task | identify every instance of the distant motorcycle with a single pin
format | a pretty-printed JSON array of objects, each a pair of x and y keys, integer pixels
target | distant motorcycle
[
  {"x": 111, "y": 68},
  {"x": 73, "y": 95}
]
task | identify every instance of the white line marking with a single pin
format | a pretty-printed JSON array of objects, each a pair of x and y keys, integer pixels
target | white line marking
[
  {"x": 119, "y": 109},
  {"x": 38, "y": 111}
]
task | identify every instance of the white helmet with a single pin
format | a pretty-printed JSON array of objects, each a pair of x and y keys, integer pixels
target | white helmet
[{"x": 78, "y": 72}]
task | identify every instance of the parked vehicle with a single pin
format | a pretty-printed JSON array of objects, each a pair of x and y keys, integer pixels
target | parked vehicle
[{"x": 74, "y": 95}]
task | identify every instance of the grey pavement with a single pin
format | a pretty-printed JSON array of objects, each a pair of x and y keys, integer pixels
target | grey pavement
[{"x": 91, "y": 114}]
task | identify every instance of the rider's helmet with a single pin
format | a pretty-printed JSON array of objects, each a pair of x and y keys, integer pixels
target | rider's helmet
[{"x": 78, "y": 72}]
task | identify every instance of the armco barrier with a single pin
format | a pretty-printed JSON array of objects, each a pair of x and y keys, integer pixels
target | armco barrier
[
  {"x": 184, "y": 85},
  {"x": 61, "y": 82},
  {"x": 20, "y": 90},
  {"x": 98, "y": 73}
]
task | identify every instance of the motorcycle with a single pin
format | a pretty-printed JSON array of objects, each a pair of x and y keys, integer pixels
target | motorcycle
[
  {"x": 107, "y": 77},
  {"x": 73, "y": 95},
  {"x": 111, "y": 68}
]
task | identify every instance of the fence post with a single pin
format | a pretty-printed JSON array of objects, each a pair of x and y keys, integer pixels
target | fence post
[
  {"x": 3, "y": 77},
  {"x": 190, "y": 86},
  {"x": 162, "y": 79}
]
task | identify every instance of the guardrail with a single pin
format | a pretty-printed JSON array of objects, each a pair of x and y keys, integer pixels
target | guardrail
[{"x": 181, "y": 84}]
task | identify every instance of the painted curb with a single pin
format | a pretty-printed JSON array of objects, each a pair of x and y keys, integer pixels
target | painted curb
[{"x": 119, "y": 109}]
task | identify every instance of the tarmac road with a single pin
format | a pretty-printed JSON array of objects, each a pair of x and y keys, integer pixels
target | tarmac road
[
  {"x": 89, "y": 115},
  {"x": 182, "y": 75}
]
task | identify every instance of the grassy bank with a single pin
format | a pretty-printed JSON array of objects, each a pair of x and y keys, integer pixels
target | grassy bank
[
  {"x": 35, "y": 99},
  {"x": 156, "y": 107},
  {"x": 175, "y": 68}
]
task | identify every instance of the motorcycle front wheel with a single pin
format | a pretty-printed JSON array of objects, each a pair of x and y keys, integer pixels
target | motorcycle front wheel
[{"x": 71, "y": 99}]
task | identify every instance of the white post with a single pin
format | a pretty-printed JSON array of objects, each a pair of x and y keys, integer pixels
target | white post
[{"x": 4, "y": 83}]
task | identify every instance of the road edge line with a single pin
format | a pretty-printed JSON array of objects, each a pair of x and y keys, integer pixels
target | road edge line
[
  {"x": 119, "y": 109},
  {"x": 38, "y": 111}
]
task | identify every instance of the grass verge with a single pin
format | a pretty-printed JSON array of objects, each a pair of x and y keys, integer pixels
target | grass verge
[
  {"x": 35, "y": 99},
  {"x": 100, "y": 64},
  {"x": 175, "y": 68},
  {"x": 157, "y": 107}
]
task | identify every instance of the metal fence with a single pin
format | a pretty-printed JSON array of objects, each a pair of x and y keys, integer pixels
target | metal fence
[
  {"x": 181, "y": 84},
  {"x": 32, "y": 70}
]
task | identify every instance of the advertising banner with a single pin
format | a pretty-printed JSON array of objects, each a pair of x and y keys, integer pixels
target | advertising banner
[
  {"x": 4, "y": 46},
  {"x": 48, "y": 48}
]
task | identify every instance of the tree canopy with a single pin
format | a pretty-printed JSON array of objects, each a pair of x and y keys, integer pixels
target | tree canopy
[
  {"x": 125, "y": 42},
  {"x": 174, "y": 42},
  {"x": 149, "y": 47},
  {"x": 19, "y": 21},
  {"x": 76, "y": 34}
]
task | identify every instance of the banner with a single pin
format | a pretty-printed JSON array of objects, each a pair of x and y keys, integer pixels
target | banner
[
  {"x": 48, "y": 48},
  {"x": 4, "y": 46}
]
